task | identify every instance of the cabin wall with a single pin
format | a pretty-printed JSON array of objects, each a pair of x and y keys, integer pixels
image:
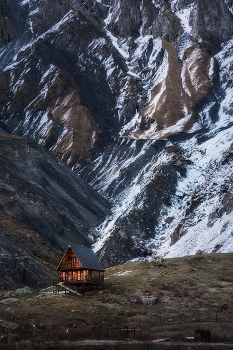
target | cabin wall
[{"x": 70, "y": 261}]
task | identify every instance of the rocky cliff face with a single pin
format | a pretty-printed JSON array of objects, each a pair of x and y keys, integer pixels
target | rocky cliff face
[
  {"x": 44, "y": 194},
  {"x": 134, "y": 96}
]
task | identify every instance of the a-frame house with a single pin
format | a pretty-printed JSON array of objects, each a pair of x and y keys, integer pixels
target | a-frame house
[{"x": 80, "y": 267}]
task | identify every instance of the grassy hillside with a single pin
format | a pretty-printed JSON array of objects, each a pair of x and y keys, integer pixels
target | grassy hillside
[
  {"x": 25, "y": 258},
  {"x": 179, "y": 295}
]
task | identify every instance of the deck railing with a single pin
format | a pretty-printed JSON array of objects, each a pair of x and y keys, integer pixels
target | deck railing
[{"x": 82, "y": 279}]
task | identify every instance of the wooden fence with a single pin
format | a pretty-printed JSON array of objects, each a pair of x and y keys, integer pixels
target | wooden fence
[{"x": 115, "y": 346}]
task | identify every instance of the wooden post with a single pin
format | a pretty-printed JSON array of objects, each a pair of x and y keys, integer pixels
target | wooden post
[{"x": 216, "y": 316}]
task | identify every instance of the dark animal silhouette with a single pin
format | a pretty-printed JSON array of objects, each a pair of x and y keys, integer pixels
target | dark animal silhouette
[
  {"x": 224, "y": 308},
  {"x": 204, "y": 333}
]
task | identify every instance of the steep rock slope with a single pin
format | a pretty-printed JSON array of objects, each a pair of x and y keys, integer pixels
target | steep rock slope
[
  {"x": 39, "y": 191},
  {"x": 204, "y": 220},
  {"x": 189, "y": 90},
  {"x": 25, "y": 259},
  {"x": 50, "y": 95},
  {"x": 128, "y": 93}
]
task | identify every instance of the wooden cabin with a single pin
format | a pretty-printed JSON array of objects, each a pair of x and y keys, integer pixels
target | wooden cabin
[{"x": 79, "y": 267}]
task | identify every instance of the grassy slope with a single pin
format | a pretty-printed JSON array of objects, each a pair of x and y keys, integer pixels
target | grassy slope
[
  {"x": 23, "y": 247},
  {"x": 188, "y": 290}
]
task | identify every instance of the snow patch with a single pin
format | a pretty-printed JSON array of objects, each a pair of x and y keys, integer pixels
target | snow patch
[
  {"x": 203, "y": 173},
  {"x": 122, "y": 273},
  {"x": 24, "y": 2},
  {"x": 125, "y": 200},
  {"x": 184, "y": 16},
  {"x": 115, "y": 43}
]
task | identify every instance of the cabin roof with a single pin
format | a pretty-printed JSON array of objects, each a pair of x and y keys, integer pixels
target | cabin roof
[{"x": 86, "y": 257}]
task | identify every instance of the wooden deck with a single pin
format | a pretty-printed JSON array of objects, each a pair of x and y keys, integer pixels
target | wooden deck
[
  {"x": 68, "y": 285},
  {"x": 75, "y": 280}
]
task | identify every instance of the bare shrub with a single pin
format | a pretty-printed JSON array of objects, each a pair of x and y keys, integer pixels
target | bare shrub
[
  {"x": 224, "y": 278},
  {"x": 181, "y": 291}
]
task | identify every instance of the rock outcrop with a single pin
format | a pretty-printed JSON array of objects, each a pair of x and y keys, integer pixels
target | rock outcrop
[
  {"x": 211, "y": 21},
  {"x": 7, "y": 27}
]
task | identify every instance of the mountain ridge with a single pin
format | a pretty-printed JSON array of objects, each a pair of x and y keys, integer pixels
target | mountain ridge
[{"x": 136, "y": 98}]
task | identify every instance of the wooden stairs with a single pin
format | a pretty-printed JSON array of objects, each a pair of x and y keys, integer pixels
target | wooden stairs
[{"x": 71, "y": 290}]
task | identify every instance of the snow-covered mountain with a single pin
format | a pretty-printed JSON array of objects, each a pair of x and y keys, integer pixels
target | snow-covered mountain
[{"x": 136, "y": 97}]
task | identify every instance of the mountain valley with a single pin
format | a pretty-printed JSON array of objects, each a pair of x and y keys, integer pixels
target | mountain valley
[{"x": 117, "y": 125}]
